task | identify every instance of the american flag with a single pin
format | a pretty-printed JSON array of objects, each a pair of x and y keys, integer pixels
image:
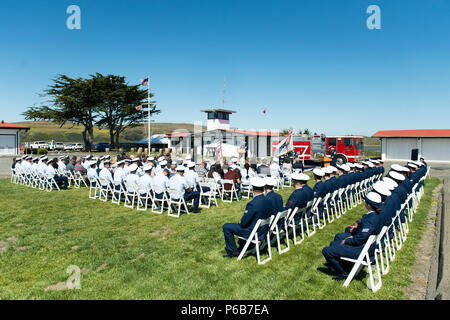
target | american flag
[
  {"x": 144, "y": 82},
  {"x": 219, "y": 154},
  {"x": 139, "y": 108}
]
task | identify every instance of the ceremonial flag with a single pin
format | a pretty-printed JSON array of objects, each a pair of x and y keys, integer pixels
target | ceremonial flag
[
  {"x": 219, "y": 154},
  {"x": 139, "y": 108},
  {"x": 284, "y": 146},
  {"x": 144, "y": 82}
]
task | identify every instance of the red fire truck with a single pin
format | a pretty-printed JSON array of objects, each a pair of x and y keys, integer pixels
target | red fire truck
[{"x": 313, "y": 149}]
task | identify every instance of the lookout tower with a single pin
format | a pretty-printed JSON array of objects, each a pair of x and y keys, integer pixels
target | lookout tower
[{"x": 218, "y": 119}]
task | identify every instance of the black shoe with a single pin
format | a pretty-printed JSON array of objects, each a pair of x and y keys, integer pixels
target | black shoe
[
  {"x": 231, "y": 254},
  {"x": 196, "y": 211},
  {"x": 340, "y": 277}
]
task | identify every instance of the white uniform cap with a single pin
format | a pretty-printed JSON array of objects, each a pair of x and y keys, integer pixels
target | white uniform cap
[
  {"x": 328, "y": 170},
  {"x": 382, "y": 188},
  {"x": 135, "y": 160},
  {"x": 188, "y": 158},
  {"x": 234, "y": 160},
  {"x": 101, "y": 158},
  {"x": 92, "y": 162},
  {"x": 319, "y": 172},
  {"x": 370, "y": 164},
  {"x": 374, "y": 197},
  {"x": 191, "y": 164},
  {"x": 163, "y": 163},
  {"x": 147, "y": 168},
  {"x": 365, "y": 163},
  {"x": 160, "y": 159},
  {"x": 345, "y": 167},
  {"x": 35, "y": 159},
  {"x": 332, "y": 168},
  {"x": 390, "y": 183},
  {"x": 151, "y": 158},
  {"x": 269, "y": 181},
  {"x": 180, "y": 168},
  {"x": 299, "y": 176},
  {"x": 133, "y": 167},
  {"x": 120, "y": 162},
  {"x": 43, "y": 158},
  {"x": 412, "y": 165},
  {"x": 399, "y": 168},
  {"x": 396, "y": 176},
  {"x": 360, "y": 166},
  {"x": 257, "y": 182}
]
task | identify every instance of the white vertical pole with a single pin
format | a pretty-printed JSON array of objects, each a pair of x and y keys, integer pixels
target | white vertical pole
[{"x": 148, "y": 110}]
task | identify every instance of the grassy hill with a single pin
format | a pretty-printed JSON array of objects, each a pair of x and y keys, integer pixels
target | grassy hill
[{"x": 47, "y": 131}]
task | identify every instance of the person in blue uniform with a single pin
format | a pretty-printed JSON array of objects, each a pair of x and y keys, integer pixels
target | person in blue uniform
[
  {"x": 301, "y": 195},
  {"x": 330, "y": 179},
  {"x": 320, "y": 189},
  {"x": 390, "y": 205},
  {"x": 352, "y": 245},
  {"x": 259, "y": 208},
  {"x": 275, "y": 198}
]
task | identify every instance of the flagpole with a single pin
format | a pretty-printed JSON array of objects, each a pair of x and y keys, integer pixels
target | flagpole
[{"x": 148, "y": 110}]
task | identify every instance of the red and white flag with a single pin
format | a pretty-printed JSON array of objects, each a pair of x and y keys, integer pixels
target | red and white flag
[
  {"x": 144, "y": 82},
  {"x": 139, "y": 108},
  {"x": 219, "y": 154},
  {"x": 286, "y": 145}
]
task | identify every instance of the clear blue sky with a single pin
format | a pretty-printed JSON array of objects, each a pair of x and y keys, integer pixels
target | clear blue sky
[{"x": 311, "y": 64}]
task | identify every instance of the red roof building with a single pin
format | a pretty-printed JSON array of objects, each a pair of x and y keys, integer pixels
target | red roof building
[
  {"x": 10, "y": 138},
  {"x": 401, "y": 145}
]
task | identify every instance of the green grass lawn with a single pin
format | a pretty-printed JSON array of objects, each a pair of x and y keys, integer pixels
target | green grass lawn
[{"x": 124, "y": 254}]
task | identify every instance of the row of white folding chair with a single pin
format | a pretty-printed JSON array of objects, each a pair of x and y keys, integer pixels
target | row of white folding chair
[
  {"x": 385, "y": 246},
  {"x": 34, "y": 179}
]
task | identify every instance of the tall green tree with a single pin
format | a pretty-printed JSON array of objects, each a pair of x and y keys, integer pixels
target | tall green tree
[
  {"x": 306, "y": 132},
  {"x": 118, "y": 109},
  {"x": 71, "y": 101}
]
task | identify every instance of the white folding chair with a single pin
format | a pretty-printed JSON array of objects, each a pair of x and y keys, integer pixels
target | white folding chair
[
  {"x": 176, "y": 199},
  {"x": 94, "y": 185},
  {"x": 365, "y": 260},
  {"x": 158, "y": 203},
  {"x": 130, "y": 194},
  {"x": 231, "y": 192},
  {"x": 290, "y": 221},
  {"x": 51, "y": 183},
  {"x": 117, "y": 192},
  {"x": 274, "y": 229},
  {"x": 259, "y": 244},
  {"x": 105, "y": 189},
  {"x": 246, "y": 189},
  {"x": 382, "y": 249},
  {"x": 315, "y": 213},
  {"x": 143, "y": 195},
  {"x": 209, "y": 196}
]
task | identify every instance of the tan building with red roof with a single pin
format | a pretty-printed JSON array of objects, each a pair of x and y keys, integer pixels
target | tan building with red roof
[
  {"x": 10, "y": 138},
  {"x": 432, "y": 144}
]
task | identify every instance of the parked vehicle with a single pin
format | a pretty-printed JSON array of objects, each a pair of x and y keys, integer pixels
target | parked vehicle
[
  {"x": 101, "y": 147},
  {"x": 78, "y": 147},
  {"x": 344, "y": 148},
  {"x": 69, "y": 146},
  {"x": 39, "y": 145}
]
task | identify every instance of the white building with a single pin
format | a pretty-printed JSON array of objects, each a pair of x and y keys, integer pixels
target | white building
[
  {"x": 432, "y": 144},
  {"x": 10, "y": 138},
  {"x": 235, "y": 142}
]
